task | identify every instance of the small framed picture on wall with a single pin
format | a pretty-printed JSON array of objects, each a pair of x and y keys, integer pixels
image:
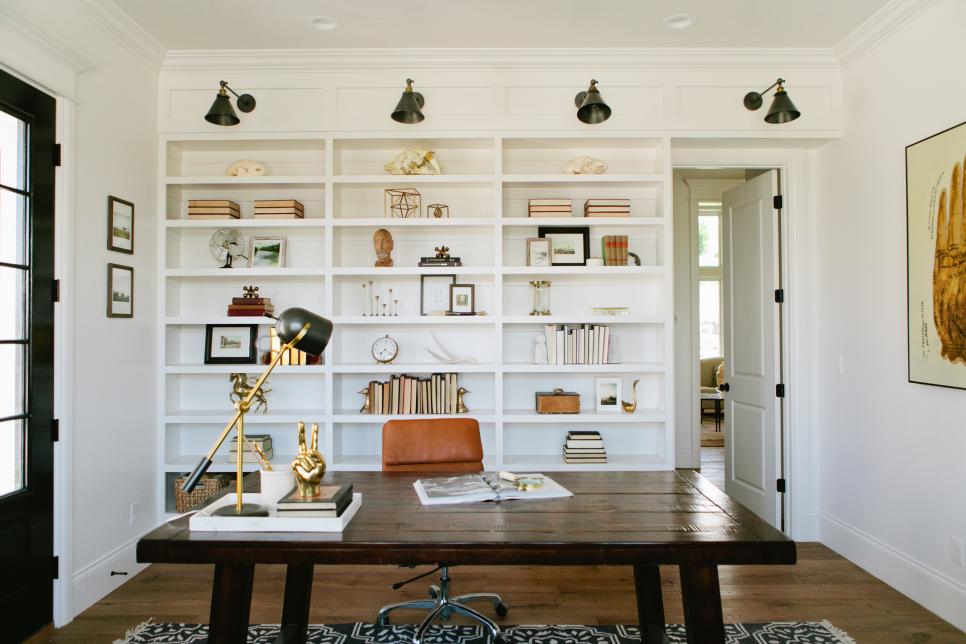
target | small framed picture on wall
[
  {"x": 120, "y": 291},
  {"x": 608, "y": 395},
  {"x": 120, "y": 225},
  {"x": 231, "y": 343},
  {"x": 538, "y": 251},
  {"x": 267, "y": 252}
]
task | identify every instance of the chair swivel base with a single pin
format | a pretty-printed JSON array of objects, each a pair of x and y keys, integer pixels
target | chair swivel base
[{"x": 441, "y": 605}]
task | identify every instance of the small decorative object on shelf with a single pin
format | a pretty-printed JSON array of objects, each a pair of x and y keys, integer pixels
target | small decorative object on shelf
[
  {"x": 437, "y": 211},
  {"x": 246, "y": 168},
  {"x": 385, "y": 350},
  {"x": 595, "y": 261},
  {"x": 231, "y": 343},
  {"x": 462, "y": 299},
  {"x": 636, "y": 258},
  {"x": 540, "y": 354},
  {"x": 267, "y": 252},
  {"x": 383, "y": 244},
  {"x": 569, "y": 245},
  {"x": 585, "y": 165},
  {"x": 558, "y": 401},
  {"x": 540, "y": 297},
  {"x": 538, "y": 251},
  {"x": 614, "y": 248},
  {"x": 631, "y": 407},
  {"x": 414, "y": 161},
  {"x": 442, "y": 258},
  {"x": 242, "y": 384},
  {"x": 550, "y": 207},
  {"x": 607, "y": 207},
  {"x": 446, "y": 355},
  {"x": 365, "y": 401},
  {"x": 584, "y": 447},
  {"x": 402, "y": 203},
  {"x": 226, "y": 245},
  {"x": 434, "y": 293},
  {"x": 403, "y": 394},
  {"x": 213, "y": 209},
  {"x": 461, "y": 407},
  {"x": 608, "y": 394},
  {"x": 250, "y": 305},
  {"x": 309, "y": 465},
  {"x": 617, "y": 311},
  {"x": 278, "y": 209},
  {"x": 365, "y": 300}
]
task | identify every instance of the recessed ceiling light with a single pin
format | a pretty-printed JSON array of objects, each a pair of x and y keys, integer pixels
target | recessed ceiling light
[
  {"x": 323, "y": 23},
  {"x": 679, "y": 21}
]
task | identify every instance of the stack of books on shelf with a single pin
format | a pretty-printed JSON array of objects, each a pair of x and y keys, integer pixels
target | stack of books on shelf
[
  {"x": 290, "y": 357},
  {"x": 279, "y": 209},
  {"x": 262, "y": 441},
  {"x": 584, "y": 447},
  {"x": 614, "y": 249},
  {"x": 402, "y": 394},
  {"x": 582, "y": 344},
  {"x": 607, "y": 208},
  {"x": 331, "y": 502},
  {"x": 440, "y": 261},
  {"x": 213, "y": 209},
  {"x": 244, "y": 307},
  {"x": 550, "y": 208}
]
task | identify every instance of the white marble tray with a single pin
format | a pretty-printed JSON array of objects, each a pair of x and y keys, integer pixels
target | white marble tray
[{"x": 203, "y": 521}]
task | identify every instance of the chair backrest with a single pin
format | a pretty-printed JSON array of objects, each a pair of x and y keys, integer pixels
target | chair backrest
[
  {"x": 432, "y": 445},
  {"x": 709, "y": 368}
]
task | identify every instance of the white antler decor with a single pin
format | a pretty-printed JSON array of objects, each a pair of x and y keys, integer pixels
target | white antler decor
[{"x": 447, "y": 356}]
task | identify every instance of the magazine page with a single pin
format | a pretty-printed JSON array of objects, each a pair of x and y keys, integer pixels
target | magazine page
[
  {"x": 465, "y": 488},
  {"x": 508, "y": 490}
]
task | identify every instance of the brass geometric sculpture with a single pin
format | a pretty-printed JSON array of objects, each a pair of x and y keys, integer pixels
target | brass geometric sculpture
[{"x": 402, "y": 203}]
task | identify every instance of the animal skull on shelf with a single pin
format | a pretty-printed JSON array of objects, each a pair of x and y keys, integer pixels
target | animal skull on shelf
[
  {"x": 414, "y": 161},
  {"x": 246, "y": 168},
  {"x": 585, "y": 165}
]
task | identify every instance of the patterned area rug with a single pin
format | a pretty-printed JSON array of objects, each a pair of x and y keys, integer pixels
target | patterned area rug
[{"x": 774, "y": 633}]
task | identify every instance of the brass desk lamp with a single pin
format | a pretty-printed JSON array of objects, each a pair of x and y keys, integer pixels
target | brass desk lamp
[{"x": 299, "y": 329}]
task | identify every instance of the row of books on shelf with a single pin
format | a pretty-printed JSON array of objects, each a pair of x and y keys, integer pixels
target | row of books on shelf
[
  {"x": 584, "y": 447},
  {"x": 619, "y": 207},
  {"x": 581, "y": 344},
  {"x": 614, "y": 250},
  {"x": 228, "y": 209},
  {"x": 260, "y": 442},
  {"x": 404, "y": 394},
  {"x": 290, "y": 357}
]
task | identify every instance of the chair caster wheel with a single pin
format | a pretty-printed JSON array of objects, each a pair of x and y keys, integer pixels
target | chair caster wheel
[{"x": 501, "y": 610}]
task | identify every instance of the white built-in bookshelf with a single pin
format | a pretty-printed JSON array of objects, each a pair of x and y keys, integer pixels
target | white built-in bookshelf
[{"x": 486, "y": 182}]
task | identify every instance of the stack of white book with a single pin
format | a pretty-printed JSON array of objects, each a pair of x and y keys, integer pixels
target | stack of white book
[
  {"x": 581, "y": 344},
  {"x": 584, "y": 447},
  {"x": 550, "y": 208}
]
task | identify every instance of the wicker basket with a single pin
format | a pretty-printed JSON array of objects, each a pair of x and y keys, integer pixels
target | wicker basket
[{"x": 208, "y": 486}]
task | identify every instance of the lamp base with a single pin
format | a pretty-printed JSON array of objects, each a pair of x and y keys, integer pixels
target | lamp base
[{"x": 247, "y": 510}]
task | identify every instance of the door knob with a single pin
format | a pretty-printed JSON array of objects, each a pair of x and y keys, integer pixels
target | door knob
[{"x": 724, "y": 387}]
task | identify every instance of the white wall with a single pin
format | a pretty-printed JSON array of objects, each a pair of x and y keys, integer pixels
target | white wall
[
  {"x": 113, "y": 150},
  {"x": 891, "y": 453}
]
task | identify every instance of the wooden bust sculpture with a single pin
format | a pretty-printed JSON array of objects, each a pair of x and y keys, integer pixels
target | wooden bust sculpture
[{"x": 382, "y": 242}]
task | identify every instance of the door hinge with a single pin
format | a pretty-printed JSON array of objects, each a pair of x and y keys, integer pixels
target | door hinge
[
  {"x": 777, "y": 202},
  {"x": 780, "y": 391},
  {"x": 56, "y": 155},
  {"x": 55, "y": 567},
  {"x": 780, "y": 486},
  {"x": 779, "y": 295},
  {"x": 54, "y": 430},
  {"x": 55, "y": 291}
]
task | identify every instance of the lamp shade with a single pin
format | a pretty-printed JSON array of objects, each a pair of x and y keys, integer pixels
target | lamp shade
[
  {"x": 221, "y": 112},
  {"x": 291, "y": 322},
  {"x": 591, "y": 107},
  {"x": 782, "y": 109},
  {"x": 408, "y": 109}
]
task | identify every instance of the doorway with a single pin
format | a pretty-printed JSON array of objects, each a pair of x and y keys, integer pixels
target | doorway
[
  {"x": 27, "y": 158},
  {"x": 728, "y": 336}
]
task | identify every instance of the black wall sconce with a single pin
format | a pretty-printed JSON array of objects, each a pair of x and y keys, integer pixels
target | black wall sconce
[
  {"x": 591, "y": 108},
  {"x": 222, "y": 113},
  {"x": 409, "y": 106},
  {"x": 782, "y": 109}
]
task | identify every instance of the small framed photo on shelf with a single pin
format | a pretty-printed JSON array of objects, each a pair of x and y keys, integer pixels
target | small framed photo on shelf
[
  {"x": 569, "y": 245},
  {"x": 231, "y": 343},
  {"x": 538, "y": 251},
  {"x": 608, "y": 395},
  {"x": 462, "y": 299},
  {"x": 434, "y": 294},
  {"x": 120, "y": 225},
  {"x": 267, "y": 252},
  {"x": 120, "y": 291}
]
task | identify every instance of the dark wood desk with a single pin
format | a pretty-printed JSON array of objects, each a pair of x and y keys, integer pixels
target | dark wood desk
[{"x": 639, "y": 519}]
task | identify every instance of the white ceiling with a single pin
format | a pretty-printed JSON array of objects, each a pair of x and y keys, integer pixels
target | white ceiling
[{"x": 281, "y": 24}]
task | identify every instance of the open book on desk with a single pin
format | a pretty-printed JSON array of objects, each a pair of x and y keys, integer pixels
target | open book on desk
[{"x": 473, "y": 488}]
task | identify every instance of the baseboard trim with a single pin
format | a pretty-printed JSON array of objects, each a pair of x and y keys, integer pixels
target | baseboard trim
[
  {"x": 94, "y": 581},
  {"x": 936, "y": 591}
]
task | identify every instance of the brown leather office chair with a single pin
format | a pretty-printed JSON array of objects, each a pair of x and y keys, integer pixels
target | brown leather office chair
[{"x": 440, "y": 445}]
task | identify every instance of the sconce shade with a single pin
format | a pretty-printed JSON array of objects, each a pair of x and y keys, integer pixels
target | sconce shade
[
  {"x": 591, "y": 107},
  {"x": 782, "y": 109},
  {"x": 408, "y": 109},
  {"x": 291, "y": 322},
  {"x": 221, "y": 112}
]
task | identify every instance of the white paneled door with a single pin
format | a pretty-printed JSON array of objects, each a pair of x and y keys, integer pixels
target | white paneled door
[{"x": 751, "y": 345}]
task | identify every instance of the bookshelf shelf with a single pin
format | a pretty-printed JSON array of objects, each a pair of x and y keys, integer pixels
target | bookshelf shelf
[{"x": 488, "y": 181}]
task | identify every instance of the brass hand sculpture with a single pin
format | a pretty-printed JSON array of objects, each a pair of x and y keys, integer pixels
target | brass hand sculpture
[
  {"x": 309, "y": 465},
  {"x": 949, "y": 271}
]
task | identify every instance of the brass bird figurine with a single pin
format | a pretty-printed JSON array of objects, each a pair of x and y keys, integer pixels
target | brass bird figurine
[{"x": 631, "y": 407}]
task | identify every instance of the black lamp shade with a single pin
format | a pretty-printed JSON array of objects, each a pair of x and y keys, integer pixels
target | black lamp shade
[
  {"x": 293, "y": 320},
  {"x": 221, "y": 112},
  {"x": 782, "y": 109},
  {"x": 591, "y": 107},
  {"x": 408, "y": 109}
]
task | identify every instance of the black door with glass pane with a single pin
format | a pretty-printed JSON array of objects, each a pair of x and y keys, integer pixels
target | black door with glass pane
[{"x": 27, "y": 160}]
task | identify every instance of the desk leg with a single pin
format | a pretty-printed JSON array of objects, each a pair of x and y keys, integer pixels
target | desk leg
[
  {"x": 702, "y": 604},
  {"x": 231, "y": 603},
  {"x": 650, "y": 604},
  {"x": 295, "y": 610}
]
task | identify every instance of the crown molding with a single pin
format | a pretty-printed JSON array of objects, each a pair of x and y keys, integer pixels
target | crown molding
[
  {"x": 499, "y": 59},
  {"x": 61, "y": 53},
  {"x": 877, "y": 28},
  {"x": 124, "y": 29}
]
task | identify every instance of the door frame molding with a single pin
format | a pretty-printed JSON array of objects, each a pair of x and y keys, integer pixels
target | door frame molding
[{"x": 799, "y": 444}]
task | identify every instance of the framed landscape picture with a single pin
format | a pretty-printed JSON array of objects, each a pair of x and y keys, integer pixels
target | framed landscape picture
[
  {"x": 120, "y": 225},
  {"x": 230, "y": 343},
  {"x": 936, "y": 258},
  {"x": 267, "y": 252},
  {"x": 569, "y": 245},
  {"x": 120, "y": 291}
]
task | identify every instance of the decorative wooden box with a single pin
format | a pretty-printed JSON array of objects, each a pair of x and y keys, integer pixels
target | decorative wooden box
[{"x": 558, "y": 401}]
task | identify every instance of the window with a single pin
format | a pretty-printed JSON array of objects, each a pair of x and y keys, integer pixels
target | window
[{"x": 710, "y": 275}]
